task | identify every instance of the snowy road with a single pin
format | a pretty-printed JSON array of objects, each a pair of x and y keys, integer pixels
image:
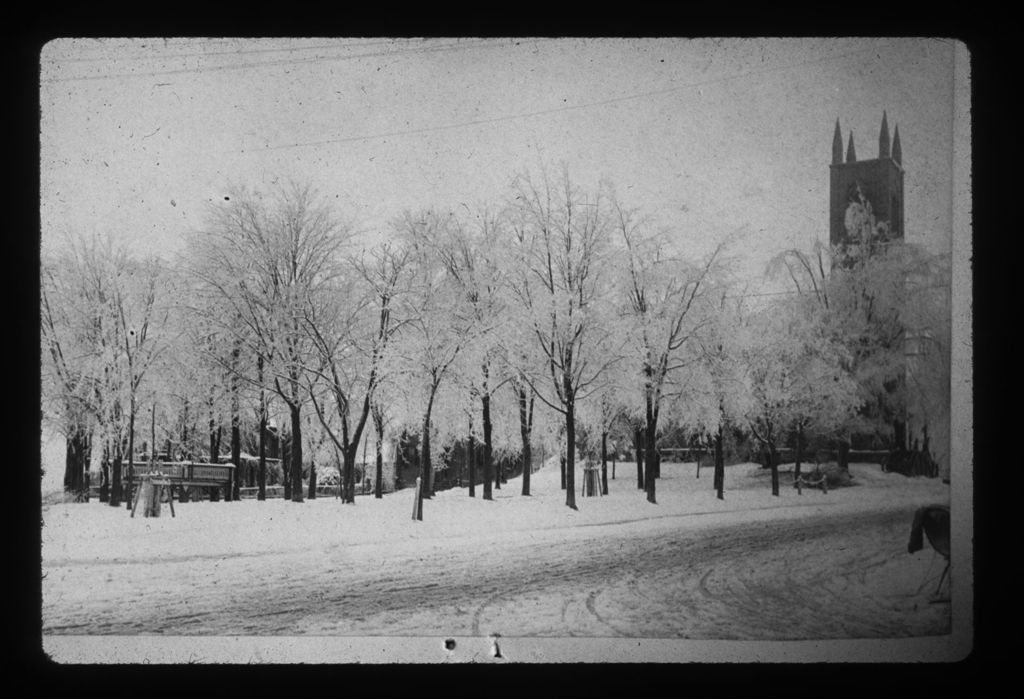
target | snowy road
[{"x": 833, "y": 574}]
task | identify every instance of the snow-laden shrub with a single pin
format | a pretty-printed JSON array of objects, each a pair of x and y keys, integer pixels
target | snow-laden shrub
[{"x": 327, "y": 475}]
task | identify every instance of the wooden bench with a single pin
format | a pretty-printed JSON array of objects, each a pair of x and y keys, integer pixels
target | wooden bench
[{"x": 186, "y": 474}]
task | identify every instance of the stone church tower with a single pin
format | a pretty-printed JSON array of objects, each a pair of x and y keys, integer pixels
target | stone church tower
[{"x": 879, "y": 181}]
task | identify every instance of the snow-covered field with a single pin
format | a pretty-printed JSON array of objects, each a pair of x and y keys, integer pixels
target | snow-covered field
[{"x": 754, "y": 566}]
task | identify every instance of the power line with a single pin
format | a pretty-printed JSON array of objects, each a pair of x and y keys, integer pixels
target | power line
[
  {"x": 287, "y": 61},
  {"x": 556, "y": 110},
  {"x": 236, "y": 52}
]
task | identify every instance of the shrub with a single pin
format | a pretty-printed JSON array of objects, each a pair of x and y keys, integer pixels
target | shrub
[
  {"x": 835, "y": 477},
  {"x": 327, "y": 475}
]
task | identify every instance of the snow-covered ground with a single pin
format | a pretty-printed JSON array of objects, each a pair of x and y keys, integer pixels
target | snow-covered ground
[{"x": 752, "y": 566}]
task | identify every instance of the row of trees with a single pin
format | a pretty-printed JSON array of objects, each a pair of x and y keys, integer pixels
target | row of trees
[{"x": 559, "y": 316}]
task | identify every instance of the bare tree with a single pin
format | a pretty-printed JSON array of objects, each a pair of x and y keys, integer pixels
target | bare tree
[
  {"x": 560, "y": 237},
  {"x": 434, "y": 336},
  {"x": 102, "y": 324},
  {"x": 74, "y": 327},
  {"x": 525, "y": 400},
  {"x": 267, "y": 257},
  {"x": 666, "y": 299},
  {"x": 795, "y": 374},
  {"x": 351, "y": 347},
  {"x": 470, "y": 254}
]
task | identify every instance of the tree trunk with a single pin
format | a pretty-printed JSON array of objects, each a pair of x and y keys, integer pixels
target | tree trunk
[
  {"x": 131, "y": 452},
  {"x": 899, "y": 434},
  {"x": 651, "y": 450},
  {"x": 427, "y": 481},
  {"x": 719, "y": 465},
  {"x": 570, "y": 453},
  {"x": 638, "y": 451},
  {"x": 378, "y": 481},
  {"x": 261, "y": 480},
  {"x": 261, "y": 467},
  {"x": 115, "y": 480},
  {"x": 285, "y": 454},
  {"x": 76, "y": 465},
  {"x": 213, "y": 441},
  {"x": 485, "y": 401},
  {"x": 561, "y": 465},
  {"x": 236, "y": 455},
  {"x": 214, "y": 453},
  {"x": 85, "y": 456},
  {"x": 799, "y": 450},
  {"x": 773, "y": 464},
  {"x": 105, "y": 473},
  {"x": 70, "y": 463},
  {"x": 152, "y": 434},
  {"x": 524, "y": 434},
  {"x": 296, "y": 454},
  {"x": 311, "y": 492},
  {"x": 425, "y": 465},
  {"x": 236, "y": 431},
  {"x": 843, "y": 455},
  {"x": 349, "y": 473},
  {"x": 471, "y": 459},
  {"x": 604, "y": 463}
]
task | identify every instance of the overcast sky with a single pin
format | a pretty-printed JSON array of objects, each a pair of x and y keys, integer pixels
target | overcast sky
[{"x": 707, "y": 136}]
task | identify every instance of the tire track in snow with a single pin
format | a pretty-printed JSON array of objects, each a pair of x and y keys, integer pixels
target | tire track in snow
[
  {"x": 786, "y": 580},
  {"x": 591, "y": 607},
  {"x": 479, "y": 611}
]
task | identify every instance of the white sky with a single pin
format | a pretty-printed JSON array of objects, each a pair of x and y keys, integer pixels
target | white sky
[{"x": 708, "y": 136}]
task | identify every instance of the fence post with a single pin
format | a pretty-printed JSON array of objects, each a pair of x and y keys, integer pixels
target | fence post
[{"x": 417, "y": 503}]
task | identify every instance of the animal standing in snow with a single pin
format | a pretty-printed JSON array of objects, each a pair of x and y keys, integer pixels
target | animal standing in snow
[{"x": 931, "y": 521}]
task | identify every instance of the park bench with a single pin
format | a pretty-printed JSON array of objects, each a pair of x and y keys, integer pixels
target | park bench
[{"x": 186, "y": 474}]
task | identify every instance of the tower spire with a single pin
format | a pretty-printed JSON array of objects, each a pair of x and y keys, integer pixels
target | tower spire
[
  {"x": 897, "y": 151},
  {"x": 883, "y": 138},
  {"x": 851, "y": 153},
  {"x": 837, "y": 146}
]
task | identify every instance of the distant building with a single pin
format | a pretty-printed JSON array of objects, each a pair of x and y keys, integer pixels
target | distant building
[
  {"x": 878, "y": 181},
  {"x": 862, "y": 195},
  {"x": 873, "y": 189}
]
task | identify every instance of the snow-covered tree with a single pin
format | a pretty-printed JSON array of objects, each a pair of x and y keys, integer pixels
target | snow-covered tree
[
  {"x": 876, "y": 298},
  {"x": 351, "y": 326},
  {"x": 76, "y": 327},
  {"x": 432, "y": 336},
  {"x": 718, "y": 381},
  {"x": 795, "y": 376},
  {"x": 666, "y": 297},
  {"x": 472, "y": 253},
  {"x": 104, "y": 325},
  {"x": 561, "y": 236},
  {"x": 207, "y": 369},
  {"x": 269, "y": 256}
]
